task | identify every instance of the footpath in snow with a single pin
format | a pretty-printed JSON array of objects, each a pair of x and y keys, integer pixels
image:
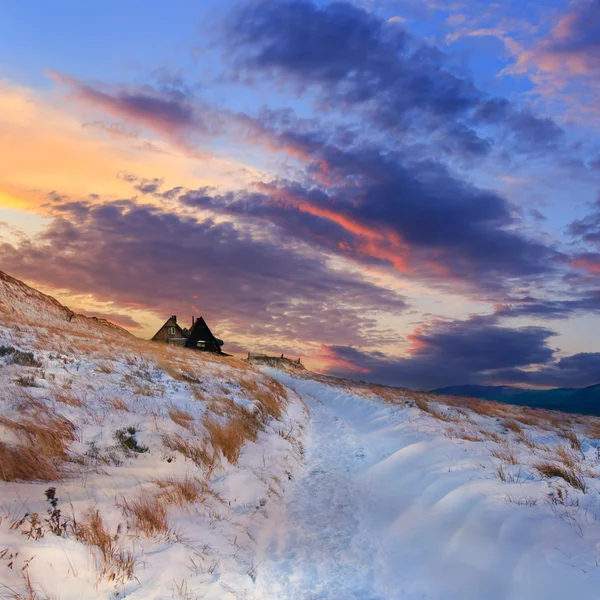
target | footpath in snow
[{"x": 386, "y": 508}]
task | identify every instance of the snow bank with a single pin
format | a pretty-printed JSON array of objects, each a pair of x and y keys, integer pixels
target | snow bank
[{"x": 391, "y": 507}]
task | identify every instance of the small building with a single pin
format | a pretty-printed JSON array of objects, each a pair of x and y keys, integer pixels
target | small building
[
  {"x": 171, "y": 333},
  {"x": 198, "y": 337}
]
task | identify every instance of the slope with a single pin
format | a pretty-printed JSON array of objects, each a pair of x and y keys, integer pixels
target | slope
[
  {"x": 130, "y": 469},
  {"x": 406, "y": 497}
]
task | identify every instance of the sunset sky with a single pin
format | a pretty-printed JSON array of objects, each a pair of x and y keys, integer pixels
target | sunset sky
[{"x": 399, "y": 191}]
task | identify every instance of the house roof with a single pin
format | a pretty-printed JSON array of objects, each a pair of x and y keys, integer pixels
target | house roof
[
  {"x": 200, "y": 331},
  {"x": 171, "y": 322}
]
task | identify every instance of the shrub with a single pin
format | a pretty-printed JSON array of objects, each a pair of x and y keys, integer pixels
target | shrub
[
  {"x": 18, "y": 357},
  {"x": 127, "y": 441},
  {"x": 26, "y": 381}
]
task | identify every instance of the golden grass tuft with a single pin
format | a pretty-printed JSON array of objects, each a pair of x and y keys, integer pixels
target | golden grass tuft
[
  {"x": 571, "y": 437},
  {"x": 42, "y": 448},
  {"x": 506, "y": 455},
  {"x": 115, "y": 563},
  {"x": 181, "y": 417},
  {"x": 512, "y": 425},
  {"x": 22, "y": 463},
  {"x": 69, "y": 398},
  {"x": 146, "y": 514},
  {"x": 180, "y": 492},
  {"x": 198, "y": 451},
  {"x": 464, "y": 434},
  {"x": 229, "y": 437},
  {"x": 425, "y": 406},
  {"x": 119, "y": 404},
  {"x": 572, "y": 477}
]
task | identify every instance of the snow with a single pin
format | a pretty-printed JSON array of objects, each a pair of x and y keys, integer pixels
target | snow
[
  {"x": 351, "y": 493},
  {"x": 387, "y": 508}
]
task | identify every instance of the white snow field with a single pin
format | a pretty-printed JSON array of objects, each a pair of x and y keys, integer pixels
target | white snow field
[
  {"x": 388, "y": 507},
  {"x": 181, "y": 475}
]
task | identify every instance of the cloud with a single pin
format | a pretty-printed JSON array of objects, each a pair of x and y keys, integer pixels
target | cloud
[
  {"x": 44, "y": 147},
  {"x": 450, "y": 353},
  {"x": 168, "y": 111},
  {"x": 578, "y": 370},
  {"x": 564, "y": 66},
  {"x": 359, "y": 62},
  {"x": 588, "y": 228},
  {"x": 386, "y": 208},
  {"x": 574, "y": 43},
  {"x": 543, "y": 308},
  {"x": 141, "y": 257}
]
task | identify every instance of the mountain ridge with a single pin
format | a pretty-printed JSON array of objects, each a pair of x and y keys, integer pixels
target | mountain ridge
[{"x": 573, "y": 400}]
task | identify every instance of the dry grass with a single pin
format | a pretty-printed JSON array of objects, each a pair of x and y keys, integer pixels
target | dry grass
[
  {"x": 29, "y": 592},
  {"x": 512, "y": 425},
  {"x": 21, "y": 463},
  {"x": 42, "y": 448},
  {"x": 572, "y": 438},
  {"x": 198, "y": 451},
  {"x": 181, "y": 417},
  {"x": 521, "y": 501},
  {"x": 506, "y": 455},
  {"x": 69, "y": 398},
  {"x": 119, "y": 404},
  {"x": 229, "y": 437},
  {"x": 146, "y": 514},
  {"x": 425, "y": 406},
  {"x": 180, "y": 492},
  {"x": 571, "y": 476},
  {"x": 464, "y": 434},
  {"x": 493, "y": 436},
  {"x": 114, "y": 563},
  {"x": 524, "y": 439},
  {"x": 506, "y": 475}
]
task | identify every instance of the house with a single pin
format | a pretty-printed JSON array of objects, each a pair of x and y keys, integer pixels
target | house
[
  {"x": 198, "y": 337},
  {"x": 171, "y": 333}
]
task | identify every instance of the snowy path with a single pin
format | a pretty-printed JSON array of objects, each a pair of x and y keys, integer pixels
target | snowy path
[
  {"x": 383, "y": 511},
  {"x": 326, "y": 554}
]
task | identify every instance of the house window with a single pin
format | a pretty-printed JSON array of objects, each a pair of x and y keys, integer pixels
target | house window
[
  {"x": 201, "y": 344},
  {"x": 171, "y": 330}
]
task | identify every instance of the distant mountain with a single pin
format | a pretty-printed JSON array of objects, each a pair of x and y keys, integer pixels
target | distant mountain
[{"x": 574, "y": 400}]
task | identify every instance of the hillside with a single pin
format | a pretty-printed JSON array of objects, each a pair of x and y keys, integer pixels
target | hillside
[
  {"x": 164, "y": 461},
  {"x": 129, "y": 469},
  {"x": 585, "y": 401}
]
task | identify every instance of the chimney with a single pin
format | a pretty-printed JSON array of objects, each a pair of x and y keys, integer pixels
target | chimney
[
  {"x": 174, "y": 318},
  {"x": 193, "y": 319}
]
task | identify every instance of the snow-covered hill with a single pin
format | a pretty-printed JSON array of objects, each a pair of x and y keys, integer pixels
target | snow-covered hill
[
  {"x": 130, "y": 469},
  {"x": 405, "y": 497},
  {"x": 165, "y": 462}
]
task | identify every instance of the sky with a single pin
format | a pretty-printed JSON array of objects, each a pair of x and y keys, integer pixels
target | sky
[{"x": 400, "y": 191}]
